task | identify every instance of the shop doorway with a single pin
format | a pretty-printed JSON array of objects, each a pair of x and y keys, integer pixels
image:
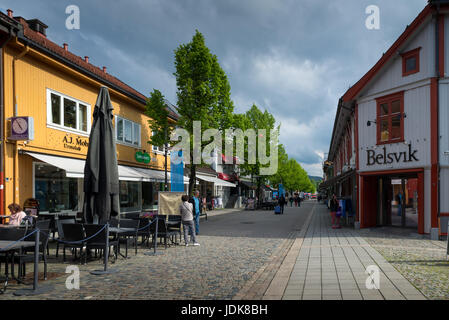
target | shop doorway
[
  {"x": 395, "y": 200},
  {"x": 398, "y": 201}
]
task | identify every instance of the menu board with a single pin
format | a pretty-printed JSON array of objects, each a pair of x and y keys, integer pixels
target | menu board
[{"x": 169, "y": 202}]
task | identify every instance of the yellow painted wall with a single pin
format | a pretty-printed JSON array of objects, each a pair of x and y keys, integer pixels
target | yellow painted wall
[{"x": 34, "y": 74}]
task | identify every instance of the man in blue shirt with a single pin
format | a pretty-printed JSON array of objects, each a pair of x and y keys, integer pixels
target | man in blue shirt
[{"x": 197, "y": 208}]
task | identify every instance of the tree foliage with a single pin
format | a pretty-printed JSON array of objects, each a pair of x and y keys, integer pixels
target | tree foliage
[
  {"x": 203, "y": 91},
  {"x": 159, "y": 123}
]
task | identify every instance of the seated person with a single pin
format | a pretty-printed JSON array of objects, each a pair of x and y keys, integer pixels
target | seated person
[{"x": 17, "y": 214}]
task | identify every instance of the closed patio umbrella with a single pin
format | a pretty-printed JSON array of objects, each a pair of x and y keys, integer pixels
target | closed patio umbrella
[{"x": 101, "y": 182}]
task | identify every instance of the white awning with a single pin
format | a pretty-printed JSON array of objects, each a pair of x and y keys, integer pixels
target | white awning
[
  {"x": 74, "y": 168},
  {"x": 215, "y": 180},
  {"x": 157, "y": 175}
]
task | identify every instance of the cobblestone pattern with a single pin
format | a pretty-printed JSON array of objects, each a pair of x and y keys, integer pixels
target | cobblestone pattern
[
  {"x": 234, "y": 247},
  {"x": 421, "y": 260}
]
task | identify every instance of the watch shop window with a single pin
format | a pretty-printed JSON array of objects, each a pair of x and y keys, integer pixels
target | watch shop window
[
  {"x": 54, "y": 191},
  {"x": 390, "y": 119},
  {"x": 127, "y": 132},
  {"x": 67, "y": 114},
  {"x": 410, "y": 62}
]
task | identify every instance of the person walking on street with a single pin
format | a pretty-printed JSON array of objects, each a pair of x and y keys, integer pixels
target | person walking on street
[
  {"x": 291, "y": 201},
  {"x": 334, "y": 207},
  {"x": 186, "y": 211},
  {"x": 282, "y": 203},
  {"x": 197, "y": 208}
]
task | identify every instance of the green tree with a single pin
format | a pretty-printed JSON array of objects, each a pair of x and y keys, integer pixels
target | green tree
[
  {"x": 255, "y": 119},
  {"x": 159, "y": 123},
  {"x": 203, "y": 92}
]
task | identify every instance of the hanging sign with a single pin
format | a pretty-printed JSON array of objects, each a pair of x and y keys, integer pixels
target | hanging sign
[{"x": 142, "y": 157}]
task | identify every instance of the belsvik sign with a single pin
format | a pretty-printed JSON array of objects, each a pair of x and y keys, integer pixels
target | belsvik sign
[{"x": 381, "y": 156}]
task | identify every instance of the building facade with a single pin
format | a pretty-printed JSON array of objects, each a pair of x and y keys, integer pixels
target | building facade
[
  {"x": 397, "y": 115},
  {"x": 55, "y": 91}
]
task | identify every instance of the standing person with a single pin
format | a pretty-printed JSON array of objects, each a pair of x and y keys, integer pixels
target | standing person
[
  {"x": 296, "y": 200},
  {"x": 17, "y": 214},
  {"x": 399, "y": 200},
  {"x": 291, "y": 201},
  {"x": 282, "y": 203},
  {"x": 197, "y": 208},
  {"x": 334, "y": 207},
  {"x": 186, "y": 210}
]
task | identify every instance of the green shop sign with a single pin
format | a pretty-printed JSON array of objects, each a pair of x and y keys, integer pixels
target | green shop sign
[{"x": 142, "y": 157}]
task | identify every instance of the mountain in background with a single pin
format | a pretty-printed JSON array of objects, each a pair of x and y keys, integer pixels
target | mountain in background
[{"x": 315, "y": 178}]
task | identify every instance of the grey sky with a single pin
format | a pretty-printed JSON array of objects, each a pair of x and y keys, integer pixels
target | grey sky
[{"x": 293, "y": 57}]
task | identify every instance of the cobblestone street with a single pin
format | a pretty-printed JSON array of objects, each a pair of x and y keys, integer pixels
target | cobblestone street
[{"x": 233, "y": 247}]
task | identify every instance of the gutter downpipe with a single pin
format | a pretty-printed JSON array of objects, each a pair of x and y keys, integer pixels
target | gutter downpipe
[
  {"x": 16, "y": 148},
  {"x": 2, "y": 129},
  {"x": 439, "y": 76}
]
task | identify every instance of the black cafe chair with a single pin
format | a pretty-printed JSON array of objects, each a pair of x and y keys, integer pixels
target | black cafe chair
[
  {"x": 59, "y": 224},
  {"x": 73, "y": 234},
  {"x": 25, "y": 256},
  {"x": 99, "y": 241},
  {"x": 10, "y": 234},
  {"x": 130, "y": 236}
]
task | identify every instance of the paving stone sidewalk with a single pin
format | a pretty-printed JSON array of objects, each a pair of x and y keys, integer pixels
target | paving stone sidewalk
[{"x": 331, "y": 264}]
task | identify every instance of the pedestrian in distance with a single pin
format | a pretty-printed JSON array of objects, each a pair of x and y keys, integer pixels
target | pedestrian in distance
[
  {"x": 186, "y": 211},
  {"x": 296, "y": 200},
  {"x": 282, "y": 203},
  {"x": 197, "y": 209},
  {"x": 291, "y": 201},
  {"x": 334, "y": 204}
]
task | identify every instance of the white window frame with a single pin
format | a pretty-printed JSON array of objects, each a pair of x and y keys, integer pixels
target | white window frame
[
  {"x": 133, "y": 126},
  {"x": 61, "y": 126}
]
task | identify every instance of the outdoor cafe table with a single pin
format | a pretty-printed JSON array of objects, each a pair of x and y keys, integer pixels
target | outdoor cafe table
[
  {"x": 119, "y": 231},
  {"x": 9, "y": 246}
]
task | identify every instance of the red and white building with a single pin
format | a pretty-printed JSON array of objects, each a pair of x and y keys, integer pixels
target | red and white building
[{"x": 391, "y": 131}]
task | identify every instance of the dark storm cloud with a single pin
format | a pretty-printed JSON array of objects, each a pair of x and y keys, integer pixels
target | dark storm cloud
[{"x": 294, "y": 58}]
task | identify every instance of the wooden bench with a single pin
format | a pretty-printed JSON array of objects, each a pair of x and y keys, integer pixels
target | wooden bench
[{"x": 442, "y": 226}]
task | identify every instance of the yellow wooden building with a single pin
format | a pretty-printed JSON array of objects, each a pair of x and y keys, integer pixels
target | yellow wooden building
[{"x": 57, "y": 90}]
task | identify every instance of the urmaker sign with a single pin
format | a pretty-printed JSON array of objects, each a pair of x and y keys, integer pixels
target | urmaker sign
[{"x": 391, "y": 157}]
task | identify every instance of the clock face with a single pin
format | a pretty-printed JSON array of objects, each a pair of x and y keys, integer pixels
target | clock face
[{"x": 20, "y": 125}]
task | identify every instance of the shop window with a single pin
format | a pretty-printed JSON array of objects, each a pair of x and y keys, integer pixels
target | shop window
[
  {"x": 53, "y": 190},
  {"x": 410, "y": 62},
  {"x": 66, "y": 113},
  {"x": 129, "y": 196},
  {"x": 150, "y": 194},
  {"x": 127, "y": 132},
  {"x": 390, "y": 119}
]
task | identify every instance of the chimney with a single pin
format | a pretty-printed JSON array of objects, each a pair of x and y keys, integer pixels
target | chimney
[
  {"x": 86, "y": 58},
  {"x": 9, "y": 13},
  {"x": 38, "y": 26},
  {"x": 104, "y": 69},
  {"x": 66, "y": 46}
]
